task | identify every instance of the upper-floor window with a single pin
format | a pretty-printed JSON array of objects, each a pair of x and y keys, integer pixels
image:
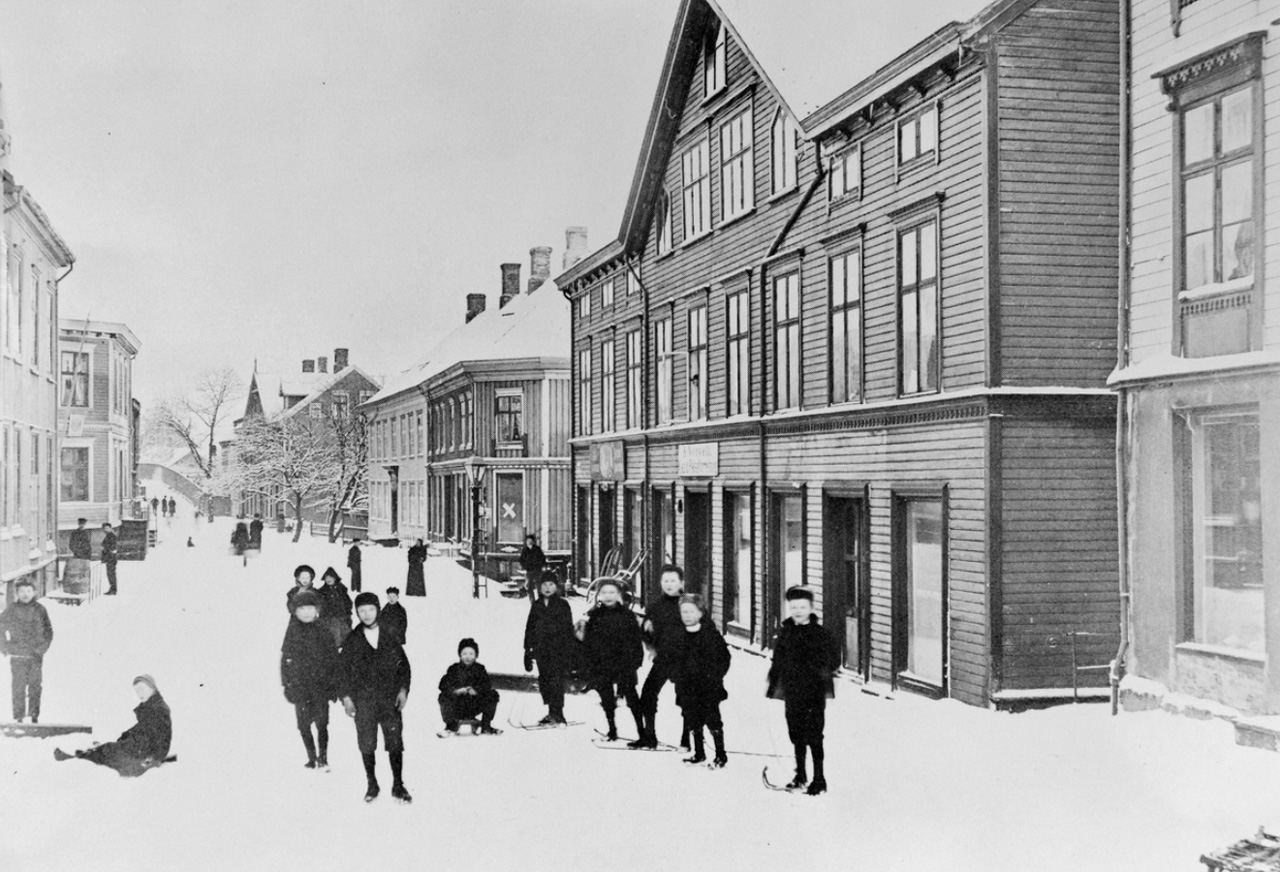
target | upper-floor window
[
  {"x": 341, "y": 404},
  {"x": 608, "y": 387},
  {"x": 738, "y": 323},
  {"x": 52, "y": 326},
  {"x": 784, "y": 151},
  {"x": 713, "y": 62},
  {"x": 35, "y": 316},
  {"x": 417, "y": 433},
  {"x": 75, "y": 378},
  {"x": 737, "y": 166},
  {"x": 918, "y": 343},
  {"x": 846, "y": 327},
  {"x": 395, "y": 437},
  {"x": 606, "y": 294},
  {"x": 846, "y": 174},
  {"x": 366, "y": 396},
  {"x": 786, "y": 345},
  {"x": 697, "y": 190},
  {"x": 585, "y": 422},
  {"x": 1218, "y": 188},
  {"x": 451, "y": 423},
  {"x": 918, "y": 135},
  {"x": 75, "y": 473},
  {"x": 508, "y": 421},
  {"x": 633, "y": 280},
  {"x": 584, "y": 304},
  {"x": 664, "y": 223},
  {"x": 15, "y": 306},
  {"x": 634, "y": 383},
  {"x": 665, "y": 355},
  {"x": 696, "y": 363}
]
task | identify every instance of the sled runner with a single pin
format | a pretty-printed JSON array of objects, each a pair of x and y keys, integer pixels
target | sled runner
[
  {"x": 764, "y": 776},
  {"x": 542, "y": 726},
  {"x": 522, "y": 683},
  {"x": 474, "y": 731},
  {"x": 620, "y": 744},
  {"x": 18, "y": 731}
]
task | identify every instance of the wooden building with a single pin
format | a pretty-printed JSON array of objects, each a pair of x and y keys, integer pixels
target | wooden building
[
  {"x": 856, "y": 334},
  {"x": 1199, "y": 379}
]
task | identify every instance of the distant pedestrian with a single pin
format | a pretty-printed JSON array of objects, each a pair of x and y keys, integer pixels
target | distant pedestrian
[
  {"x": 173, "y": 507},
  {"x": 109, "y": 554},
  {"x": 190, "y": 544},
  {"x": 663, "y": 628},
  {"x": 393, "y": 616},
  {"x": 25, "y": 635},
  {"x": 416, "y": 585},
  {"x": 612, "y": 651},
  {"x": 375, "y": 677},
  {"x": 155, "y": 505},
  {"x": 353, "y": 563},
  {"x": 255, "y": 533},
  {"x": 303, "y": 576},
  {"x": 549, "y": 639},
  {"x": 699, "y": 670},
  {"x": 309, "y": 673},
  {"x": 335, "y": 605},
  {"x": 533, "y": 562},
  {"x": 143, "y": 746},
  {"x": 240, "y": 541},
  {"x": 81, "y": 542},
  {"x": 466, "y": 692}
]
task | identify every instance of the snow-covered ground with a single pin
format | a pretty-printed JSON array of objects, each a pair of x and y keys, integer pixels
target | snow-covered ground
[{"x": 915, "y": 784}]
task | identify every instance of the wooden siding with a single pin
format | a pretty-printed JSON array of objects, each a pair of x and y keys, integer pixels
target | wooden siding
[{"x": 1058, "y": 109}]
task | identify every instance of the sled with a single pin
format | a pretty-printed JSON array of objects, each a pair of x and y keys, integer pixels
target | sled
[
  {"x": 474, "y": 724},
  {"x": 18, "y": 731},
  {"x": 528, "y": 683}
]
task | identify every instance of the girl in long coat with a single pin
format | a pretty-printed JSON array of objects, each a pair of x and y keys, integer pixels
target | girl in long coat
[
  {"x": 335, "y": 605},
  {"x": 416, "y": 585}
]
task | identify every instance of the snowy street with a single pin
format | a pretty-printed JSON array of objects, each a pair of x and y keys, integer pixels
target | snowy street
[{"x": 915, "y": 784}]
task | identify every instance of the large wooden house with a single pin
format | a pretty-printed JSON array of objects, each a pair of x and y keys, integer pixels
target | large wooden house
[{"x": 855, "y": 334}]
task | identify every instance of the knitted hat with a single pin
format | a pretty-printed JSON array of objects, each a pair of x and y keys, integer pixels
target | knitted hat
[
  {"x": 331, "y": 573},
  {"x": 469, "y": 643},
  {"x": 798, "y": 592},
  {"x": 367, "y": 598},
  {"x": 305, "y": 598},
  {"x": 301, "y": 569},
  {"x": 147, "y": 680}
]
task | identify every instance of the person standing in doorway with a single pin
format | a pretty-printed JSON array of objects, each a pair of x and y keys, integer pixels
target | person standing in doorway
[
  {"x": 417, "y": 583},
  {"x": 25, "y": 635},
  {"x": 533, "y": 562},
  {"x": 353, "y": 563},
  {"x": 109, "y": 555}
]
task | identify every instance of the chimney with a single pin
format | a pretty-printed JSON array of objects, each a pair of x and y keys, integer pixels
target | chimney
[
  {"x": 308, "y": 366},
  {"x": 510, "y": 283},
  {"x": 322, "y": 364},
  {"x": 575, "y": 245},
  {"x": 539, "y": 266},
  {"x": 340, "y": 359},
  {"x": 475, "y": 305}
]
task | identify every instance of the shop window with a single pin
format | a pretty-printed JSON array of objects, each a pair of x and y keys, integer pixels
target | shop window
[
  {"x": 788, "y": 553},
  {"x": 75, "y": 474},
  {"x": 738, "y": 572},
  {"x": 920, "y": 592}
]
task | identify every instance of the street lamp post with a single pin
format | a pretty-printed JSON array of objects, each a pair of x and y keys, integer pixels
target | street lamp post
[{"x": 475, "y": 474}]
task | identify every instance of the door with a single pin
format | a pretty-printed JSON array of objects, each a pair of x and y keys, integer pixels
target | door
[
  {"x": 697, "y": 543},
  {"x": 583, "y": 513},
  {"x": 394, "y": 474},
  {"x": 510, "y": 508},
  {"x": 847, "y": 584},
  {"x": 608, "y": 521}
]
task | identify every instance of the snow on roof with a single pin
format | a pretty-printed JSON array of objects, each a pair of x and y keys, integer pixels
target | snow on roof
[
  {"x": 812, "y": 51},
  {"x": 531, "y": 325},
  {"x": 301, "y": 384},
  {"x": 269, "y": 393},
  {"x": 327, "y": 384}
]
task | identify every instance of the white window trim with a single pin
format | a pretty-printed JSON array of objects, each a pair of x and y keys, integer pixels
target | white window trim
[
  {"x": 78, "y": 442},
  {"x": 89, "y": 349},
  {"x": 747, "y": 154},
  {"x": 787, "y": 124},
  {"x": 911, "y": 117}
]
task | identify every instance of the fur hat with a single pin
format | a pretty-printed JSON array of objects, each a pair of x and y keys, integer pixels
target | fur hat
[
  {"x": 797, "y": 593},
  {"x": 305, "y": 597},
  {"x": 469, "y": 643},
  {"x": 367, "y": 598},
  {"x": 301, "y": 569},
  {"x": 147, "y": 680}
]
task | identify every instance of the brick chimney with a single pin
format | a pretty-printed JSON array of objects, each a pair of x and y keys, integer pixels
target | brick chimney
[
  {"x": 308, "y": 366},
  {"x": 340, "y": 357},
  {"x": 539, "y": 266},
  {"x": 510, "y": 283},
  {"x": 475, "y": 305},
  {"x": 575, "y": 245},
  {"x": 322, "y": 364}
]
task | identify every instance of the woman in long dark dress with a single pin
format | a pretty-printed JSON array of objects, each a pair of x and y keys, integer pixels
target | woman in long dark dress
[{"x": 416, "y": 585}]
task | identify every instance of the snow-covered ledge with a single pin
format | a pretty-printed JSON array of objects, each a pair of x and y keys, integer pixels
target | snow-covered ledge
[{"x": 1166, "y": 366}]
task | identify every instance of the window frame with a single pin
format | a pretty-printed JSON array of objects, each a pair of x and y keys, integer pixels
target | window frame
[
  {"x": 737, "y": 166},
  {"x": 901, "y": 588},
  {"x": 696, "y": 353},
  {"x": 87, "y": 354},
  {"x": 664, "y": 371},
  {"x": 779, "y": 160},
  {"x": 584, "y": 305},
  {"x": 738, "y": 352},
  {"x": 845, "y": 158},
  {"x": 795, "y": 348},
  {"x": 843, "y": 309},
  {"x": 14, "y": 293},
  {"x": 586, "y": 411},
  {"x": 606, "y": 293},
  {"x": 695, "y": 190},
  {"x": 85, "y": 445},
  {"x": 509, "y": 414},
  {"x": 608, "y": 386},
  {"x": 906, "y": 226},
  {"x": 914, "y": 118},
  {"x": 635, "y": 378},
  {"x": 715, "y": 55},
  {"x": 665, "y": 234}
]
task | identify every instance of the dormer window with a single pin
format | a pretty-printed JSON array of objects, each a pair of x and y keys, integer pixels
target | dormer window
[
  {"x": 713, "y": 68},
  {"x": 785, "y": 150},
  {"x": 664, "y": 224}
]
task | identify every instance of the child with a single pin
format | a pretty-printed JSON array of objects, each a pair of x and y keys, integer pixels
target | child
[
  {"x": 302, "y": 578},
  {"x": 143, "y": 746},
  {"x": 308, "y": 671},
  {"x": 699, "y": 670},
  {"x": 804, "y": 660},
  {"x": 375, "y": 679},
  {"x": 549, "y": 639},
  {"x": 25, "y": 636},
  {"x": 335, "y": 605},
  {"x": 663, "y": 628},
  {"x": 613, "y": 649},
  {"x": 393, "y": 616},
  {"x": 465, "y": 691}
]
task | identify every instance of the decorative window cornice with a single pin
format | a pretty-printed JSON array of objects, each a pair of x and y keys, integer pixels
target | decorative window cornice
[{"x": 1245, "y": 52}]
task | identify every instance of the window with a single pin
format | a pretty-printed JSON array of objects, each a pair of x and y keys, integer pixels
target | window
[
  {"x": 341, "y": 404},
  {"x": 317, "y": 411},
  {"x": 786, "y": 341},
  {"x": 404, "y": 433},
  {"x": 17, "y": 477},
  {"x": 417, "y": 433},
  {"x": 739, "y": 349},
  {"x": 606, "y": 294},
  {"x": 846, "y": 327},
  {"x": 918, "y": 136},
  {"x": 15, "y": 301},
  {"x": 633, "y": 281},
  {"x": 697, "y": 190},
  {"x": 35, "y": 316},
  {"x": 584, "y": 391},
  {"x": 788, "y": 537},
  {"x": 666, "y": 369},
  {"x": 664, "y": 224},
  {"x": 75, "y": 474},
  {"x": 634, "y": 383},
  {"x": 738, "y": 564},
  {"x": 451, "y": 424},
  {"x": 918, "y": 308},
  {"x": 1226, "y": 596},
  {"x": 394, "y": 426},
  {"x": 584, "y": 305},
  {"x": 784, "y": 151},
  {"x": 920, "y": 594},
  {"x": 737, "y": 167},
  {"x": 508, "y": 421},
  {"x": 75, "y": 379},
  {"x": 846, "y": 174},
  {"x": 696, "y": 363},
  {"x": 713, "y": 62},
  {"x": 53, "y": 327},
  {"x": 6, "y": 477},
  {"x": 366, "y": 396},
  {"x": 608, "y": 387}
]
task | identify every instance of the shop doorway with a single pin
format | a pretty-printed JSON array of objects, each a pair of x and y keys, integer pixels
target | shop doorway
[
  {"x": 846, "y": 590},
  {"x": 697, "y": 542}
]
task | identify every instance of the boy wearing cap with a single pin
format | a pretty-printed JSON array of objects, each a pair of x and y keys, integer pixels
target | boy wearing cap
[
  {"x": 466, "y": 692},
  {"x": 375, "y": 677},
  {"x": 393, "y": 615},
  {"x": 143, "y": 746},
  {"x": 308, "y": 671},
  {"x": 25, "y": 636},
  {"x": 612, "y": 649},
  {"x": 804, "y": 661},
  {"x": 549, "y": 639}
]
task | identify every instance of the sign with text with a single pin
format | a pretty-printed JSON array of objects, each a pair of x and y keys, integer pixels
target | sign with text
[
  {"x": 699, "y": 460},
  {"x": 607, "y": 461}
]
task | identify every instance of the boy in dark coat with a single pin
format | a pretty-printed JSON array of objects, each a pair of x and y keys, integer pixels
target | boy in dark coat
[
  {"x": 533, "y": 561},
  {"x": 804, "y": 661},
  {"x": 335, "y": 605},
  {"x": 612, "y": 649},
  {"x": 393, "y": 616},
  {"x": 549, "y": 639},
  {"x": 25, "y": 635},
  {"x": 309, "y": 673},
  {"x": 143, "y": 746},
  {"x": 663, "y": 628},
  {"x": 699, "y": 670},
  {"x": 109, "y": 555},
  {"x": 302, "y": 578},
  {"x": 353, "y": 563},
  {"x": 374, "y": 674},
  {"x": 466, "y": 692}
]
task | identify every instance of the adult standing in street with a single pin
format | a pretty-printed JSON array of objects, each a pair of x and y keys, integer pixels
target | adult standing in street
[
  {"x": 155, "y": 505},
  {"x": 109, "y": 554},
  {"x": 81, "y": 541},
  {"x": 416, "y": 585},
  {"x": 533, "y": 562},
  {"x": 353, "y": 563},
  {"x": 25, "y": 635},
  {"x": 255, "y": 533}
]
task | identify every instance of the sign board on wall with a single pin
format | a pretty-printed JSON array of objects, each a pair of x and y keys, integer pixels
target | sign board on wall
[
  {"x": 607, "y": 461},
  {"x": 75, "y": 425},
  {"x": 699, "y": 460}
]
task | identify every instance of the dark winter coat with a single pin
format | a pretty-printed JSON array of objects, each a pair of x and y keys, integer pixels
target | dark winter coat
[
  {"x": 663, "y": 615},
  {"x": 368, "y": 673},
  {"x": 81, "y": 544},
  {"x": 335, "y": 609},
  {"x": 415, "y": 583},
  {"x": 532, "y": 560},
  {"x": 151, "y": 736},
  {"x": 700, "y": 664},
  {"x": 308, "y": 662},
  {"x": 255, "y": 532},
  {"x": 804, "y": 661},
  {"x": 240, "y": 539},
  {"x": 548, "y": 633},
  {"x": 612, "y": 644},
  {"x": 25, "y": 630},
  {"x": 459, "y": 675},
  {"x": 354, "y": 557},
  {"x": 110, "y": 548},
  {"x": 394, "y": 617}
]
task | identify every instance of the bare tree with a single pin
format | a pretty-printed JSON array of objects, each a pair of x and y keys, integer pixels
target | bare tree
[
  {"x": 293, "y": 456},
  {"x": 195, "y": 418},
  {"x": 349, "y": 488}
]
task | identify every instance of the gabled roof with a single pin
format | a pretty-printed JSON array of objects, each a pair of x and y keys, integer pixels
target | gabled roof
[
  {"x": 328, "y": 383},
  {"x": 266, "y": 387}
]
